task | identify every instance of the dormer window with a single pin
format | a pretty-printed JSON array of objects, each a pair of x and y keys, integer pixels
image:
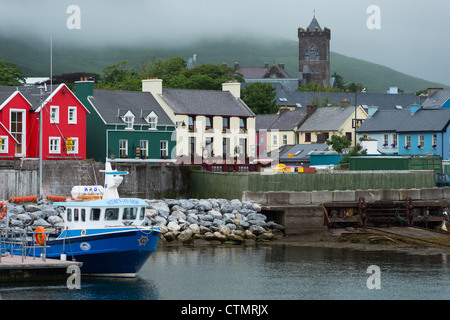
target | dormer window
[
  {"x": 152, "y": 120},
  {"x": 128, "y": 118}
]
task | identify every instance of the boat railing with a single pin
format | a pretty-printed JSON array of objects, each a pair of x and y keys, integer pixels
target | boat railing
[{"x": 17, "y": 241}]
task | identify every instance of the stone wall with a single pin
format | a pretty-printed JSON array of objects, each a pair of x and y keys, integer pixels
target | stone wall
[{"x": 145, "y": 181}]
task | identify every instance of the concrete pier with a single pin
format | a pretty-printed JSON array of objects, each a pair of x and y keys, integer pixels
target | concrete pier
[{"x": 13, "y": 269}]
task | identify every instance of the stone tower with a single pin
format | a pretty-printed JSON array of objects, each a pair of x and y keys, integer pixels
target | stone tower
[{"x": 314, "y": 54}]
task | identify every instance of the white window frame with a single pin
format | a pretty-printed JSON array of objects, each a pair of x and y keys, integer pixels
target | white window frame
[
  {"x": 434, "y": 139},
  {"x": 275, "y": 140},
  {"x": 4, "y": 147},
  {"x": 74, "y": 147},
  {"x": 54, "y": 145},
  {"x": 72, "y": 111},
  {"x": 153, "y": 123},
  {"x": 285, "y": 139},
  {"x": 123, "y": 149},
  {"x": 385, "y": 140},
  {"x": 408, "y": 141},
  {"x": 54, "y": 114},
  {"x": 395, "y": 140},
  {"x": 23, "y": 139},
  {"x": 129, "y": 122},
  {"x": 143, "y": 144},
  {"x": 421, "y": 139},
  {"x": 164, "y": 148}
]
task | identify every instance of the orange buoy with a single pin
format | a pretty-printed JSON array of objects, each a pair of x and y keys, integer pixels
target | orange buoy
[
  {"x": 57, "y": 198},
  {"x": 40, "y": 236},
  {"x": 23, "y": 199},
  {"x": 2, "y": 210}
]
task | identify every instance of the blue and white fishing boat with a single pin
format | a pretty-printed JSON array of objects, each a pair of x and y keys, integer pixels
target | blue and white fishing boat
[{"x": 106, "y": 234}]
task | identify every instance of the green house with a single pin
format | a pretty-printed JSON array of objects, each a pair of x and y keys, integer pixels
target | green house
[{"x": 126, "y": 126}]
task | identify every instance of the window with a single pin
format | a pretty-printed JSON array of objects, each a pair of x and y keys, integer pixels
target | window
[
  {"x": 111, "y": 214},
  {"x": 69, "y": 214},
  {"x": 349, "y": 136},
  {"x": 226, "y": 123},
  {"x": 129, "y": 213},
  {"x": 191, "y": 123},
  {"x": 153, "y": 122},
  {"x": 164, "y": 151},
  {"x": 242, "y": 146},
  {"x": 192, "y": 145},
  {"x": 421, "y": 141},
  {"x": 275, "y": 140},
  {"x": 123, "y": 148},
  {"x": 308, "y": 137},
  {"x": 144, "y": 148},
  {"x": 74, "y": 147},
  {"x": 285, "y": 138},
  {"x": 394, "y": 140},
  {"x": 209, "y": 123},
  {"x": 83, "y": 215},
  {"x": 434, "y": 141},
  {"x": 312, "y": 53},
  {"x": 225, "y": 146},
  {"x": 243, "y": 124},
  {"x": 209, "y": 145},
  {"x": 129, "y": 122},
  {"x": 72, "y": 115},
  {"x": 54, "y": 114},
  {"x": 385, "y": 140},
  {"x": 17, "y": 125},
  {"x": 3, "y": 144},
  {"x": 407, "y": 141},
  {"x": 54, "y": 145},
  {"x": 95, "y": 214},
  {"x": 142, "y": 214},
  {"x": 75, "y": 215}
]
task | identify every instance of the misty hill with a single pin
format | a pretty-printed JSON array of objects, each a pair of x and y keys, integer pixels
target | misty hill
[{"x": 33, "y": 58}]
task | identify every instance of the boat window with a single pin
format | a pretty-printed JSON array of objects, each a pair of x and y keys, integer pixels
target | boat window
[
  {"x": 129, "y": 213},
  {"x": 95, "y": 214},
  {"x": 142, "y": 214},
  {"x": 69, "y": 214},
  {"x": 112, "y": 214},
  {"x": 75, "y": 214},
  {"x": 83, "y": 214}
]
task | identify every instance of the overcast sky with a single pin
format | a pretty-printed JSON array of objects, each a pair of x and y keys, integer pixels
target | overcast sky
[{"x": 414, "y": 35}]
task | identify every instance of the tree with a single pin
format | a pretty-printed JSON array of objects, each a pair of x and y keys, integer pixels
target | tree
[
  {"x": 121, "y": 76},
  {"x": 10, "y": 74},
  {"x": 339, "y": 143},
  {"x": 260, "y": 98}
]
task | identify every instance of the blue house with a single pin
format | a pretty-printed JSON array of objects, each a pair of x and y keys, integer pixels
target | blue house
[
  {"x": 438, "y": 98},
  {"x": 417, "y": 131}
]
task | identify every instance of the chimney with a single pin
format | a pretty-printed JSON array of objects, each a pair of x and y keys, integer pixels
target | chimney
[
  {"x": 432, "y": 91},
  {"x": 345, "y": 103},
  {"x": 281, "y": 65},
  {"x": 310, "y": 109},
  {"x": 234, "y": 87},
  {"x": 414, "y": 108},
  {"x": 84, "y": 88},
  {"x": 372, "y": 110},
  {"x": 154, "y": 86},
  {"x": 236, "y": 65}
]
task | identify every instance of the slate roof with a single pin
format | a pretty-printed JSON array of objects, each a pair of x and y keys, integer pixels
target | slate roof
[
  {"x": 437, "y": 99},
  {"x": 261, "y": 72},
  {"x": 112, "y": 104},
  {"x": 287, "y": 120},
  {"x": 327, "y": 119},
  {"x": 31, "y": 93},
  {"x": 314, "y": 24},
  {"x": 205, "y": 102},
  {"x": 383, "y": 101},
  {"x": 299, "y": 151},
  {"x": 424, "y": 120}
]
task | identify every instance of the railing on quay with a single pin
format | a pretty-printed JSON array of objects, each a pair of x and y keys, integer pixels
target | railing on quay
[{"x": 17, "y": 240}]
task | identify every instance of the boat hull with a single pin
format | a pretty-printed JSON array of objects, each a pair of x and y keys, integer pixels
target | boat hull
[{"x": 107, "y": 253}]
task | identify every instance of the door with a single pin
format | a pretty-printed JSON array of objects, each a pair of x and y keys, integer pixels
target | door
[{"x": 17, "y": 126}]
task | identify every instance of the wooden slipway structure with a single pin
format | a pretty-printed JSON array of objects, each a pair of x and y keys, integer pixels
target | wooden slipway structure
[{"x": 403, "y": 212}]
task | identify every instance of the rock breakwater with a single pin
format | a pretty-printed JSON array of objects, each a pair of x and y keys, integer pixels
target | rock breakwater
[{"x": 183, "y": 220}]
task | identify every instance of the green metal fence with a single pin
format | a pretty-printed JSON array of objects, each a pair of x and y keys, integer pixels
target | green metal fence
[{"x": 231, "y": 185}]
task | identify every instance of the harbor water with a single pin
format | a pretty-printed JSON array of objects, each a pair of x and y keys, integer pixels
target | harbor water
[{"x": 263, "y": 272}]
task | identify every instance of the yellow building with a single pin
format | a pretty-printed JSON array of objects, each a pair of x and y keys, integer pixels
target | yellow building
[
  {"x": 208, "y": 123},
  {"x": 328, "y": 121}
]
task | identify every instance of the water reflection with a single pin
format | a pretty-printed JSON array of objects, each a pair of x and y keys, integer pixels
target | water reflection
[{"x": 261, "y": 272}]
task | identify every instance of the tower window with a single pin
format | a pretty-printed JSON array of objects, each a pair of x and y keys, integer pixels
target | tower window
[{"x": 312, "y": 53}]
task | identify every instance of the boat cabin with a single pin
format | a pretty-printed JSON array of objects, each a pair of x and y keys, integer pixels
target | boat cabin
[{"x": 103, "y": 213}]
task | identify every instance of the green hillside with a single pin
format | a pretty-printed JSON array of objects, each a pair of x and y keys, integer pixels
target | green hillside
[{"x": 34, "y": 59}]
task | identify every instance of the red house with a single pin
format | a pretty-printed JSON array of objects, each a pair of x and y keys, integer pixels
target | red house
[{"x": 63, "y": 124}]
